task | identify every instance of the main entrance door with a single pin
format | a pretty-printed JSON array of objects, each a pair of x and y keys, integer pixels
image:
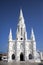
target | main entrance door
[
  {"x": 30, "y": 56},
  {"x": 13, "y": 57},
  {"x": 21, "y": 57}
]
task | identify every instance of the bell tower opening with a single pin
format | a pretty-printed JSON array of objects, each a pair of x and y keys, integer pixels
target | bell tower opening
[
  {"x": 13, "y": 57},
  {"x": 21, "y": 57}
]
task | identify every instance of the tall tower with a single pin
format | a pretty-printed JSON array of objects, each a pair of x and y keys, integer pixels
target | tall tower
[
  {"x": 21, "y": 37},
  {"x": 33, "y": 43},
  {"x": 10, "y": 47}
]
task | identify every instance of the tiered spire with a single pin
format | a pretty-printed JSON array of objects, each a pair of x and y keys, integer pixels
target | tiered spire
[
  {"x": 10, "y": 35},
  {"x": 32, "y": 35},
  {"x": 21, "y": 27}
]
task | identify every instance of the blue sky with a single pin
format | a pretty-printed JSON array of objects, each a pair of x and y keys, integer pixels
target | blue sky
[{"x": 9, "y": 18}]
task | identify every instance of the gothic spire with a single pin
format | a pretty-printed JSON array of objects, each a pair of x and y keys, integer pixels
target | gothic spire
[
  {"x": 21, "y": 18},
  {"x": 10, "y": 35},
  {"x": 21, "y": 13},
  {"x": 32, "y": 35}
]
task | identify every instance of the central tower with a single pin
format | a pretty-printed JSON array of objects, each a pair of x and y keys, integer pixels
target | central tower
[
  {"x": 21, "y": 28},
  {"x": 20, "y": 38}
]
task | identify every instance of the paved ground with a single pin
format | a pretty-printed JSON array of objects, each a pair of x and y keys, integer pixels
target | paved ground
[{"x": 19, "y": 63}]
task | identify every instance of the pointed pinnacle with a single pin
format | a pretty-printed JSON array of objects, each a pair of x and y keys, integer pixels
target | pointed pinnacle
[
  {"x": 21, "y": 13},
  {"x": 32, "y": 34},
  {"x": 10, "y": 32},
  {"x": 10, "y": 35},
  {"x": 32, "y": 31}
]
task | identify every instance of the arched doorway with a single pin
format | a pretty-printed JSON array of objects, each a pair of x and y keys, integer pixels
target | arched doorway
[
  {"x": 13, "y": 57},
  {"x": 30, "y": 56},
  {"x": 21, "y": 57},
  {"x": 0, "y": 58}
]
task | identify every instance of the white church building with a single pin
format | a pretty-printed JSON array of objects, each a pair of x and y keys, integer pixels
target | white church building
[{"x": 22, "y": 49}]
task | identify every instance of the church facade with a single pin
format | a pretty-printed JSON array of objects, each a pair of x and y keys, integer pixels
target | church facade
[{"x": 22, "y": 49}]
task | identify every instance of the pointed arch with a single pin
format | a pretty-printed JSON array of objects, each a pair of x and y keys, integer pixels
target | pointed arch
[
  {"x": 13, "y": 56},
  {"x": 21, "y": 56},
  {"x": 30, "y": 56}
]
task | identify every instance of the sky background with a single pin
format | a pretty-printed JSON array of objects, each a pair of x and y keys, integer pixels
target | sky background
[{"x": 9, "y": 18}]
